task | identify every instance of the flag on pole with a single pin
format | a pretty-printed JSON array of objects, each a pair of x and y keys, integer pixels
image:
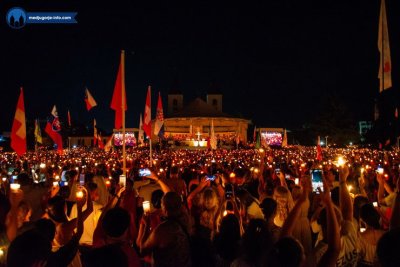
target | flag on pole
[
  {"x": 213, "y": 138},
  {"x": 396, "y": 113},
  {"x": 258, "y": 139},
  {"x": 159, "y": 124},
  {"x": 108, "y": 144},
  {"x": 95, "y": 137},
  {"x": 284, "y": 141},
  {"x": 100, "y": 143},
  {"x": 89, "y": 100},
  {"x": 38, "y": 133},
  {"x": 53, "y": 128},
  {"x": 69, "y": 119},
  {"x": 141, "y": 134},
  {"x": 18, "y": 130},
  {"x": 147, "y": 114},
  {"x": 118, "y": 95},
  {"x": 319, "y": 150},
  {"x": 385, "y": 64},
  {"x": 376, "y": 112}
]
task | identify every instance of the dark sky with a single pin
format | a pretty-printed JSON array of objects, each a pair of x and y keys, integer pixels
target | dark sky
[{"x": 273, "y": 61}]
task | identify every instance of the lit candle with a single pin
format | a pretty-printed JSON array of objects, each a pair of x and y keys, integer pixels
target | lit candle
[
  {"x": 15, "y": 187},
  {"x": 79, "y": 194},
  {"x": 146, "y": 206},
  {"x": 55, "y": 184}
]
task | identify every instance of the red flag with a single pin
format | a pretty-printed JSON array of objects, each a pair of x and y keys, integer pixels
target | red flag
[
  {"x": 53, "y": 128},
  {"x": 89, "y": 100},
  {"x": 385, "y": 66},
  {"x": 100, "y": 143},
  {"x": 118, "y": 101},
  {"x": 159, "y": 124},
  {"x": 95, "y": 137},
  {"x": 147, "y": 114},
  {"x": 109, "y": 145},
  {"x": 396, "y": 114},
  {"x": 69, "y": 119},
  {"x": 319, "y": 150},
  {"x": 18, "y": 131}
]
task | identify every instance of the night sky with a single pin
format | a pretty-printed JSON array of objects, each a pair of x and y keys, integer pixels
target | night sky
[{"x": 273, "y": 61}]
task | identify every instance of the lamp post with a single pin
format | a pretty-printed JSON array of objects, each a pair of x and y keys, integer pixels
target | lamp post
[{"x": 326, "y": 141}]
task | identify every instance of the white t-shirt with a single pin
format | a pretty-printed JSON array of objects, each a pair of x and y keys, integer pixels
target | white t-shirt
[
  {"x": 349, "y": 253},
  {"x": 90, "y": 224}
]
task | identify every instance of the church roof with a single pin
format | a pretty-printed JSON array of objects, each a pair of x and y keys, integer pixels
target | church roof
[{"x": 199, "y": 108}]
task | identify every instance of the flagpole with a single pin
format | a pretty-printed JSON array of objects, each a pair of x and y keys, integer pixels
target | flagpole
[
  {"x": 151, "y": 146},
  {"x": 383, "y": 47},
  {"x": 123, "y": 110}
]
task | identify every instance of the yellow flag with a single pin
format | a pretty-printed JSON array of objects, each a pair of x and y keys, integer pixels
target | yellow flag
[{"x": 38, "y": 133}]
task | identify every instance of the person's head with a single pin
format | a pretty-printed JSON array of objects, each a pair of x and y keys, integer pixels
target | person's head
[
  {"x": 256, "y": 240},
  {"x": 65, "y": 191},
  {"x": 286, "y": 252},
  {"x": 116, "y": 222},
  {"x": 109, "y": 255},
  {"x": 296, "y": 192},
  {"x": 171, "y": 204},
  {"x": 93, "y": 191},
  {"x": 47, "y": 228},
  {"x": 71, "y": 175},
  {"x": 387, "y": 249},
  {"x": 24, "y": 213},
  {"x": 281, "y": 195},
  {"x": 30, "y": 248},
  {"x": 156, "y": 198},
  {"x": 370, "y": 216},
  {"x": 240, "y": 176},
  {"x": 322, "y": 220},
  {"x": 23, "y": 179},
  {"x": 268, "y": 207},
  {"x": 56, "y": 209},
  {"x": 230, "y": 227},
  {"x": 174, "y": 172},
  {"x": 359, "y": 201},
  {"x": 210, "y": 199}
]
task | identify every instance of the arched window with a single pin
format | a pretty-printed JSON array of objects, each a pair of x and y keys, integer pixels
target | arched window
[{"x": 215, "y": 102}]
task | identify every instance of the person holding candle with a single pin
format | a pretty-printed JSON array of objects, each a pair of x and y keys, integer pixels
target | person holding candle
[{"x": 56, "y": 211}]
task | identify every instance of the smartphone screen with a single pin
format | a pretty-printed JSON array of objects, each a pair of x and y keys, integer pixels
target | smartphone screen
[
  {"x": 82, "y": 179},
  {"x": 228, "y": 190},
  {"x": 316, "y": 180},
  {"x": 144, "y": 172},
  {"x": 63, "y": 178},
  {"x": 210, "y": 177},
  {"x": 122, "y": 180}
]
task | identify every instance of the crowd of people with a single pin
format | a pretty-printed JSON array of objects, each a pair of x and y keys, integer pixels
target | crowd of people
[{"x": 239, "y": 207}]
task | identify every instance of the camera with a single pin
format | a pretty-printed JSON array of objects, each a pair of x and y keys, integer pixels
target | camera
[
  {"x": 210, "y": 177},
  {"x": 316, "y": 180},
  {"x": 144, "y": 172}
]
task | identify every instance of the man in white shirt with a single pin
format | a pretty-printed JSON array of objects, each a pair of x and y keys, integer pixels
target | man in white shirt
[{"x": 90, "y": 223}]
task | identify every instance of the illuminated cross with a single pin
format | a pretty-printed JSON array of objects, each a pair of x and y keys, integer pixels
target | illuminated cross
[{"x": 198, "y": 136}]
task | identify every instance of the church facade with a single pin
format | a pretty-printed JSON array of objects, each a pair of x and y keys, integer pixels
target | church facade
[{"x": 191, "y": 124}]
